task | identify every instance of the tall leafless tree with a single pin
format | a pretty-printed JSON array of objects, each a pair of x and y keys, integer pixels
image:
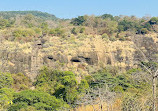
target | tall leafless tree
[
  {"x": 148, "y": 58},
  {"x": 98, "y": 95}
]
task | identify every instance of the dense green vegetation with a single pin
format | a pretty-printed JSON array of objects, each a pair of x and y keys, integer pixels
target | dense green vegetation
[
  {"x": 42, "y": 15},
  {"x": 37, "y": 100},
  {"x": 56, "y": 90},
  {"x": 60, "y": 84}
]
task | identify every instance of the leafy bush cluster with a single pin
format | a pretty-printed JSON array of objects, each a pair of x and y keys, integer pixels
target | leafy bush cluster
[
  {"x": 36, "y": 99},
  {"x": 5, "y": 23},
  {"x": 59, "y": 90},
  {"x": 60, "y": 84},
  {"x": 53, "y": 90},
  {"x": 120, "y": 83},
  {"x": 107, "y": 22}
]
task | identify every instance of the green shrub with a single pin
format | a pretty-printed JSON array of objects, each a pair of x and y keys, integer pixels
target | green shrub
[
  {"x": 105, "y": 36},
  {"x": 56, "y": 32},
  {"x": 107, "y": 16},
  {"x": 62, "y": 84},
  {"x": 82, "y": 30},
  {"x": 20, "y": 82},
  {"x": 121, "y": 82},
  {"x": 5, "y": 80},
  {"x": 6, "y": 97},
  {"x": 4, "y": 23},
  {"x": 83, "y": 86},
  {"x": 153, "y": 20},
  {"x": 74, "y": 31},
  {"x": 23, "y": 33},
  {"x": 79, "y": 20},
  {"x": 38, "y": 31},
  {"x": 144, "y": 31},
  {"x": 37, "y": 99},
  {"x": 118, "y": 89}
]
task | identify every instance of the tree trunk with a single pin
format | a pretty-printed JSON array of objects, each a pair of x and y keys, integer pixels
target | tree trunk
[
  {"x": 93, "y": 107},
  {"x": 154, "y": 93}
]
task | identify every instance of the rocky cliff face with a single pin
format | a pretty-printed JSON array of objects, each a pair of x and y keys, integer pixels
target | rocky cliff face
[{"x": 80, "y": 55}]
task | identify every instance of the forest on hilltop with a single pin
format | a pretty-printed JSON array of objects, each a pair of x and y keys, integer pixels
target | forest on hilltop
[
  {"x": 13, "y": 14},
  {"x": 87, "y": 63}
]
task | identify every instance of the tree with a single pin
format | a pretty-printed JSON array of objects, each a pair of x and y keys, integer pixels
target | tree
[
  {"x": 107, "y": 16},
  {"x": 97, "y": 95},
  {"x": 74, "y": 31},
  {"x": 82, "y": 30},
  {"x": 147, "y": 26},
  {"x": 150, "y": 65},
  {"x": 44, "y": 27},
  {"x": 61, "y": 84},
  {"x": 125, "y": 25},
  {"x": 152, "y": 69},
  {"x": 36, "y": 99},
  {"x": 79, "y": 20},
  {"x": 5, "y": 23},
  {"x": 143, "y": 31},
  {"x": 153, "y": 20},
  {"x": 28, "y": 17},
  {"x": 56, "y": 32},
  {"x": 131, "y": 103},
  {"x": 111, "y": 26},
  {"x": 29, "y": 20}
]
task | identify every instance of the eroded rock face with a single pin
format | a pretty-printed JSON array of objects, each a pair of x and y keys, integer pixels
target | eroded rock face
[
  {"x": 148, "y": 45},
  {"x": 93, "y": 52},
  {"x": 90, "y": 58}
]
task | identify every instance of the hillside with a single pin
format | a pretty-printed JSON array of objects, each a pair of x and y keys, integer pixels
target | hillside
[
  {"x": 13, "y": 14},
  {"x": 86, "y": 63}
]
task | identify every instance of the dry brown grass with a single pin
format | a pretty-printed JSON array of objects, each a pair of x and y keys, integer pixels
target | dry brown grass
[{"x": 116, "y": 106}]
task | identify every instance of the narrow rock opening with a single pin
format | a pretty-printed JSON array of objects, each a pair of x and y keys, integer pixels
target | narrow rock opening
[
  {"x": 88, "y": 60},
  {"x": 75, "y": 60},
  {"x": 50, "y": 58},
  {"x": 39, "y": 44}
]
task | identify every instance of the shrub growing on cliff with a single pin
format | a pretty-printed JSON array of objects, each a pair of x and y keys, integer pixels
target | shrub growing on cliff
[
  {"x": 105, "y": 36},
  {"x": 82, "y": 30},
  {"x": 144, "y": 31},
  {"x": 74, "y": 31},
  {"x": 20, "y": 82},
  {"x": 56, "y": 32},
  {"x": 5, "y": 80}
]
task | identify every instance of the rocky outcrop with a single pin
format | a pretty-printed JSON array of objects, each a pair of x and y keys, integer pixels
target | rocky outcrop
[
  {"x": 92, "y": 54},
  {"x": 90, "y": 58}
]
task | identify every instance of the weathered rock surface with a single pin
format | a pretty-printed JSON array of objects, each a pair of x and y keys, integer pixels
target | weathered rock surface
[{"x": 80, "y": 56}]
